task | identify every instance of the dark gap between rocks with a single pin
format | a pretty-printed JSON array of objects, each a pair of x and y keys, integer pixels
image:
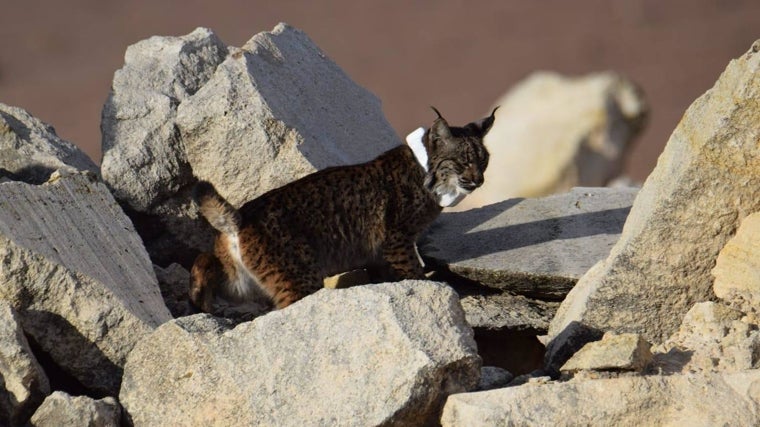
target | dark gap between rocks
[
  {"x": 519, "y": 352},
  {"x": 59, "y": 379}
]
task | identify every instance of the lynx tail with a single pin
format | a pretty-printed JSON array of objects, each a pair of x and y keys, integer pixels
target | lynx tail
[{"x": 217, "y": 211}]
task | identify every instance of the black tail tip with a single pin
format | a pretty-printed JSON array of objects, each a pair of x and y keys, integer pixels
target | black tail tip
[{"x": 202, "y": 190}]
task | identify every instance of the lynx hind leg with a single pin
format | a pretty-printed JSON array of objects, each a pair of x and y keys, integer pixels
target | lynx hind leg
[
  {"x": 206, "y": 276},
  {"x": 401, "y": 255},
  {"x": 286, "y": 289}
]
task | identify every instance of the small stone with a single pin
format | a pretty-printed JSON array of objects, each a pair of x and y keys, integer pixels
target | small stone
[
  {"x": 62, "y": 410},
  {"x": 620, "y": 352}
]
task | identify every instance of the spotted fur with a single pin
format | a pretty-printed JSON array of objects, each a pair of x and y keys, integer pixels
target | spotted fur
[{"x": 370, "y": 215}]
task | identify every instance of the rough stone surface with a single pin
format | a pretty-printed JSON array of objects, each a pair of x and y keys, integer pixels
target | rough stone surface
[
  {"x": 554, "y": 132},
  {"x": 250, "y": 119},
  {"x": 505, "y": 311},
  {"x": 737, "y": 269},
  {"x": 536, "y": 247},
  {"x": 706, "y": 181},
  {"x": 23, "y": 383},
  {"x": 78, "y": 276},
  {"x": 63, "y": 410},
  {"x": 614, "y": 352},
  {"x": 243, "y": 132},
  {"x": 322, "y": 361},
  {"x": 712, "y": 337},
  {"x": 30, "y": 150},
  {"x": 683, "y": 399},
  {"x": 143, "y": 161}
]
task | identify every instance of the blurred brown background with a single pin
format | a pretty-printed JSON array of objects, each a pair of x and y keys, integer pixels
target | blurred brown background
[{"x": 57, "y": 58}]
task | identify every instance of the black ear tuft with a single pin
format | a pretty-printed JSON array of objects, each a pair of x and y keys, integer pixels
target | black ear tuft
[
  {"x": 485, "y": 124},
  {"x": 440, "y": 128},
  {"x": 437, "y": 112}
]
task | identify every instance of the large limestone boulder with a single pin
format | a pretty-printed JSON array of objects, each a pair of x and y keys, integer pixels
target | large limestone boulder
[
  {"x": 553, "y": 133},
  {"x": 78, "y": 275},
  {"x": 275, "y": 110},
  {"x": 23, "y": 383},
  {"x": 30, "y": 150},
  {"x": 246, "y": 119},
  {"x": 143, "y": 160},
  {"x": 369, "y": 355},
  {"x": 737, "y": 269},
  {"x": 706, "y": 181},
  {"x": 535, "y": 247},
  {"x": 682, "y": 399},
  {"x": 62, "y": 410}
]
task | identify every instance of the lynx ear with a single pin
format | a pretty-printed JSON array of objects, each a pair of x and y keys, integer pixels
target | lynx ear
[
  {"x": 440, "y": 128},
  {"x": 484, "y": 125}
]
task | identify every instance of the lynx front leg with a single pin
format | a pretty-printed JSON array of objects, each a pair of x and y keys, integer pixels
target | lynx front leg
[
  {"x": 401, "y": 254},
  {"x": 206, "y": 276}
]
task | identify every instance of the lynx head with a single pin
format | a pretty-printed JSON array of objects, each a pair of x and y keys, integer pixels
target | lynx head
[{"x": 457, "y": 158}]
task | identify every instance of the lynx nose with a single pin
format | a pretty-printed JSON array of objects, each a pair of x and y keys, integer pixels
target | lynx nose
[{"x": 469, "y": 185}]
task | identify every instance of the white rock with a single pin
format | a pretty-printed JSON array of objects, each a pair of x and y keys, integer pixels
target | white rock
[
  {"x": 78, "y": 275},
  {"x": 554, "y": 132},
  {"x": 23, "y": 383},
  {"x": 690, "y": 399},
  {"x": 367, "y": 355},
  {"x": 30, "y": 150},
  {"x": 63, "y": 410},
  {"x": 705, "y": 182}
]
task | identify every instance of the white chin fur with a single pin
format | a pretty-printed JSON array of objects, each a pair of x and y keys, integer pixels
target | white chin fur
[{"x": 451, "y": 198}]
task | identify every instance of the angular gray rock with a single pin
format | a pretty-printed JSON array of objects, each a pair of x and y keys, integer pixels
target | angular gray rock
[
  {"x": 276, "y": 110},
  {"x": 614, "y": 352},
  {"x": 368, "y": 355},
  {"x": 143, "y": 160},
  {"x": 62, "y": 410},
  {"x": 554, "y": 132},
  {"x": 78, "y": 275},
  {"x": 705, "y": 182},
  {"x": 23, "y": 383},
  {"x": 30, "y": 150},
  {"x": 681, "y": 399},
  {"x": 246, "y": 119},
  {"x": 508, "y": 312},
  {"x": 536, "y": 247}
]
